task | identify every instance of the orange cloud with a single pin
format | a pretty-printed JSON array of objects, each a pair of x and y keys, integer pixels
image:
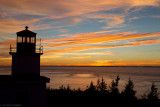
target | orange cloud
[
  {"x": 144, "y": 3},
  {"x": 92, "y": 38},
  {"x": 5, "y": 63},
  {"x": 130, "y": 44},
  {"x": 146, "y": 42},
  {"x": 10, "y": 42},
  {"x": 123, "y": 63},
  {"x": 15, "y": 14},
  {"x": 96, "y": 38},
  {"x": 57, "y": 9}
]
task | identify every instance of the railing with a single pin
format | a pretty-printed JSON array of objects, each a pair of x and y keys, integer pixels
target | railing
[
  {"x": 12, "y": 49},
  {"x": 39, "y": 49}
]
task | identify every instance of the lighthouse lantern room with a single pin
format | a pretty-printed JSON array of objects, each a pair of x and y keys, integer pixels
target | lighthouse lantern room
[{"x": 25, "y": 58}]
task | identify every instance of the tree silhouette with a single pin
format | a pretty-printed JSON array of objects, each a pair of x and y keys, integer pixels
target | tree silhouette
[
  {"x": 91, "y": 87},
  {"x": 129, "y": 93},
  {"x": 153, "y": 94},
  {"x": 101, "y": 86},
  {"x": 114, "y": 87},
  {"x": 98, "y": 95}
]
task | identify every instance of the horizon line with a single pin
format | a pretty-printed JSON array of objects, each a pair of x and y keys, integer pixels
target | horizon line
[{"x": 84, "y": 66}]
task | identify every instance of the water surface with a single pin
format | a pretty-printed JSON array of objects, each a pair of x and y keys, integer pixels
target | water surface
[{"x": 80, "y": 77}]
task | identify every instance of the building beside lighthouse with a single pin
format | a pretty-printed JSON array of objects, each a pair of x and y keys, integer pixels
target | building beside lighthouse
[{"x": 24, "y": 87}]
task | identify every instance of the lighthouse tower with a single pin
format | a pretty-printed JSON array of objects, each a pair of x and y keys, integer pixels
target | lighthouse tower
[
  {"x": 25, "y": 87},
  {"x": 25, "y": 59}
]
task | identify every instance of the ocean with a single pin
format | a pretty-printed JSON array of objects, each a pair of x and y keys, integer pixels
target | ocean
[{"x": 80, "y": 77}]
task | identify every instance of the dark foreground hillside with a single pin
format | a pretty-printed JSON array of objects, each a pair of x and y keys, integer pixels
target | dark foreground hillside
[{"x": 101, "y": 95}]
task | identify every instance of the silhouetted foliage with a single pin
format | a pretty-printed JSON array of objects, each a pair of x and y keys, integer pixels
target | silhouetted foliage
[
  {"x": 91, "y": 87},
  {"x": 114, "y": 87},
  {"x": 144, "y": 96},
  {"x": 99, "y": 95},
  {"x": 101, "y": 86},
  {"x": 91, "y": 90},
  {"x": 129, "y": 92},
  {"x": 153, "y": 94}
]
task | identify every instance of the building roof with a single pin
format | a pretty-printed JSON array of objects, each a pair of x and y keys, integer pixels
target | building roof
[
  {"x": 23, "y": 78},
  {"x": 26, "y": 32}
]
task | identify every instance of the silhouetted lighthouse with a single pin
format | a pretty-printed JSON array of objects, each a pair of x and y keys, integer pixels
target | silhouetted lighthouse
[
  {"x": 25, "y": 87},
  {"x": 25, "y": 60}
]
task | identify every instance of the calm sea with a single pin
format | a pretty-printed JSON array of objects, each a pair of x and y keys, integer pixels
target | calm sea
[{"x": 80, "y": 77}]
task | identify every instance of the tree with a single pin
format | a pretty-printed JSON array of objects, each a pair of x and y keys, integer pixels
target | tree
[
  {"x": 91, "y": 87},
  {"x": 101, "y": 86},
  {"x": 153, "y": 94},
  {"x": 129, "y": 92},
  {"x": 114, "y": 87}
]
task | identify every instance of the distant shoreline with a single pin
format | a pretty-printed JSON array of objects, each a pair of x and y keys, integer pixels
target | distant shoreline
[
  {"x": 100, "y": 66},
  {"x": 92, "y": 66}
]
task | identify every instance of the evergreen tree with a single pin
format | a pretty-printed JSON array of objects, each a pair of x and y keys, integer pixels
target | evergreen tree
[
  {"x": 91, "y": 87},
  {"x": 153, "y": 94},
  {"x": 91, "y": 90},
  {"x": 101, "y": 86},
  {"x": 129, "y": 92},
  {"x": 114, "y": 86}
]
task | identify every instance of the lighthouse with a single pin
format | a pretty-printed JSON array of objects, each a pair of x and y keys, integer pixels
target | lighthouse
[
  {"x": 25, "y": 86},
  {"x": 26, "y": 57}
]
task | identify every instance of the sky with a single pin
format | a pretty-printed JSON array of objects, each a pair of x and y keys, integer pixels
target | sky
[{"x": 85, "y": 32}]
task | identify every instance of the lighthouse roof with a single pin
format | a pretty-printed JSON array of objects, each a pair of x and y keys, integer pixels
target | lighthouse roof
[{"x": 26, "y": 32}]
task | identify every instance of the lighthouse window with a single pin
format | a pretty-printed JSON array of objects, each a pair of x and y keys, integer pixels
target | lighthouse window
[
  {"x": 23, "y": 39},
  {"x": 32, "y": 39},
  {"x": 19, "y": 39},
  {"x": 28, "y": 39}
]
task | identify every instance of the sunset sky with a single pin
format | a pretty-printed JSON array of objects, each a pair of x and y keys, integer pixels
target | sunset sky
[{"x": 85, "y": 32}]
